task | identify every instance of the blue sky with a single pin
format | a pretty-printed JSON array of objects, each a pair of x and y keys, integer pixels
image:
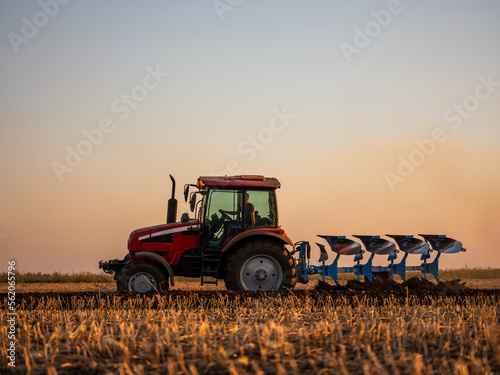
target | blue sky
[{"x": 226, "y": 78}]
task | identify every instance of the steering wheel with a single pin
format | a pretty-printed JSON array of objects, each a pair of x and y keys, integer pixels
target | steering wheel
[{"x": 225, "y": 216}]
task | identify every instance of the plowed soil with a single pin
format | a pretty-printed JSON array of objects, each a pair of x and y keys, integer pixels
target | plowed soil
[
  {"x": 415, "y": 327},
  {"x": 416, "y": 289}
]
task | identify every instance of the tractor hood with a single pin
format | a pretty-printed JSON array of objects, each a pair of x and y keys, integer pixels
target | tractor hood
[{"x": 159, "y": 230}]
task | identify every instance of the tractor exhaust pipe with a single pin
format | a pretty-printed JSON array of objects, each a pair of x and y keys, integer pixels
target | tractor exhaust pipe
[{"x": 172, "y": 205}]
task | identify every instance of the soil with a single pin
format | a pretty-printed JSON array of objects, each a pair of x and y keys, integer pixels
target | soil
[{"x": 415, "y": 289}]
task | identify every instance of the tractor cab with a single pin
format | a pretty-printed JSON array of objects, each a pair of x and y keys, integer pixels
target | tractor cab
[
  {"x": 231, "y": 206},
  {"x": 228, "y": 213}
]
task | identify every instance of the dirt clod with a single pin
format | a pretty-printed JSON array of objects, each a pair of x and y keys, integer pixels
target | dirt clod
[{"x": 415, "y": 287}]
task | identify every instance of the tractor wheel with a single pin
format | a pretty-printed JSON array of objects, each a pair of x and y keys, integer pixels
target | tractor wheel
[
  {"x": 260, "y": 265},
  {"x": 142, "y": 277}
]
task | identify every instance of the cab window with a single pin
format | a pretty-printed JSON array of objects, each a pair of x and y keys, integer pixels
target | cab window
[
  {"x": 264, "y": 206},
  {"x": 223, "y": 216}
]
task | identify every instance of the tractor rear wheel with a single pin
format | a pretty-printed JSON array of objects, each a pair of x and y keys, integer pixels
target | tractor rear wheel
[
  {"x": 142, "y": 277},
  {"x": 260, "y": 265}
]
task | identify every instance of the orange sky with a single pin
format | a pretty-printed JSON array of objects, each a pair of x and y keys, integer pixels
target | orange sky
[{"x": 71, "y": 226}]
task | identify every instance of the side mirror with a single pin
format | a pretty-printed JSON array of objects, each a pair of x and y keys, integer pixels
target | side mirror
[
  {"x": 192, "y": 203},
  {"x": 186, "y": 192}
]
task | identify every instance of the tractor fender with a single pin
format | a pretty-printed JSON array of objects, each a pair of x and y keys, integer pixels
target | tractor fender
[
  {"x": 261, "y": 233},
  {"x": 160, "y": 259}
]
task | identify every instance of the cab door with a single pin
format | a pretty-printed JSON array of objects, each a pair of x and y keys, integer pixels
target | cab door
[{"x": 223, "y": 217}]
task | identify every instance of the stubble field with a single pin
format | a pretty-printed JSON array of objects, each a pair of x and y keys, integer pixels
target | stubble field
[{"x": 367, "y": 328}]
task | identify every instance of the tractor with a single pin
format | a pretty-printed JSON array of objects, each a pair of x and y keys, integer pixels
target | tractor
[{"x": 235, "y": 236}]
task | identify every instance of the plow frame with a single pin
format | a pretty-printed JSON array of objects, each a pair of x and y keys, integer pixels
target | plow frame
[{"x": 367, "y": 270}]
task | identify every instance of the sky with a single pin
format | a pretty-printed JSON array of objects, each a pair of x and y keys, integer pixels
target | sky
[{"x": 376, "y": 116}]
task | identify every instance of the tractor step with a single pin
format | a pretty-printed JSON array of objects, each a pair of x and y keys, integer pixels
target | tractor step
[
  {"x": 207, "y": 282},
  {"x": 210, "y": 261}
]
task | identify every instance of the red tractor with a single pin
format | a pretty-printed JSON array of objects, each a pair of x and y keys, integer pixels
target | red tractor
[{"x": 234, "y": 236}]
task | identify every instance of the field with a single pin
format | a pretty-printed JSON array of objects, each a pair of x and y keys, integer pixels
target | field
[{"x": 358, "y": 328}]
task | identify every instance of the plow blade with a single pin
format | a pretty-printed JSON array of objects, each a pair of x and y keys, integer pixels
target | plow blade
[
  {"x": 410, "y": 244},
  {"x": 443, "y": 244},
  {"x": 377, "y": 245},
  {"x": 323, "y": 255},
  {"x": 342, "y": 245}
]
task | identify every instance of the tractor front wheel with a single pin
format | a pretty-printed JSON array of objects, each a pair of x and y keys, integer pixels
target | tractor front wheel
[
  {"x": 260, "y": 265},
  {"x": 142, "y": 277}
]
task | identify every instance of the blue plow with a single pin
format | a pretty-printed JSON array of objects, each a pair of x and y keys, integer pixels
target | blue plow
[{"x": 406, "y": 244}]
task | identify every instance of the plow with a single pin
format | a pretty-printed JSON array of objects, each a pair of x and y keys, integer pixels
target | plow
[
  {"x": 406, "y": 244},
  {"x": 235, "y": 236}
]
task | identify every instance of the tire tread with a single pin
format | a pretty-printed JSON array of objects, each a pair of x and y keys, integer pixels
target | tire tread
[
  {"x": 130, "y": 269},
  {"x": 250, "y": 248}
]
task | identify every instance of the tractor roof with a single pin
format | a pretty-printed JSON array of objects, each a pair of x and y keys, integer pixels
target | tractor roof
[{"x": 245, "y": 181}]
